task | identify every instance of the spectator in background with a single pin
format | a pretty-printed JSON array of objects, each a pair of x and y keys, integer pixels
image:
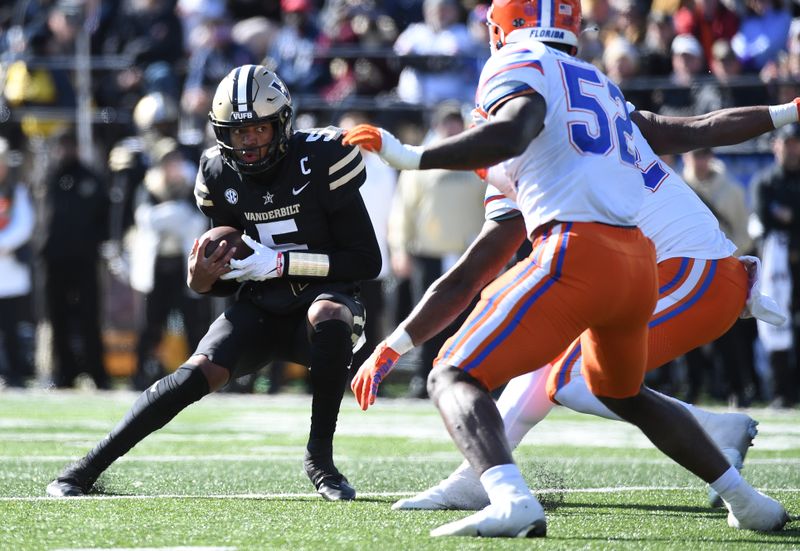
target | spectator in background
[
  {"x": 16, "y": 229},
  {"x": 597, "y": 16},
  {"x": 256, "y": 34},
  {"x": 361, "y": 28},
  {"x": 193, "y": 15},
  {"x": 792, "y": 62},
  {"x": 621, "y": 61},
  {"x": 687, "y": 64},
  {"x": 726, "y": 91},
  {"x": 376, "y": 192},
  {"x": 629, "y": 21},
  {"x": 656, "y": 54},
  {"x": 762, "y": 34},
  {"x": 400, "y": 300},
  {"x": 72, "y": 224},
  {"x": 776, "y": 200},
  {"x": 213, "y": 55},
  {"x": 155, "y": 117},
  {"x": 30, "y": 84},
  {"x": 435, "y": 215},
  {"x": 706, "y": 175},
  {"x": 479, "y": 33},
  {"x": 167, "y": 222},
  {"x": 444, "y": 75},
  {"x": 707, "y": 21},
  {"x": 786, "y": 68},
  {"x": 150, "y": 33},
  {"x": 687, "y": 59},
  {"x": 292, "y": 51}
]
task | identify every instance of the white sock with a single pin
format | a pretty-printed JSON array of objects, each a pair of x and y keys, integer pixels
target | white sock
[
  {"x": 576, "y": 396},
  {"x": 524, "y": 403},
  {"x": 729, "y": 484},
  {"x": 502, "y": 482}
]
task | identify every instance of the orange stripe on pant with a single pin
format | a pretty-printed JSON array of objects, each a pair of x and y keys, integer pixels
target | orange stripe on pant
[
  {"x": 698, "y": 301},
  {"x": 591, "y": 278}
]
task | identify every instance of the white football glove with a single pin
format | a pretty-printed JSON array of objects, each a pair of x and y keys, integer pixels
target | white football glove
[
  {"x": 263, "y": 264},
  {"x": 399, "y": 155},
  {"x": 760, "y": 306}
]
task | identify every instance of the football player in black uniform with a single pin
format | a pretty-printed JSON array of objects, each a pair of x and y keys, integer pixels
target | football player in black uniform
[{"x": 296, "y": 196}]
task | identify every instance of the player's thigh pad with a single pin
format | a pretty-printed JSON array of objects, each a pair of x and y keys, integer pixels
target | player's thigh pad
[
  {"x": 624, "y": 282},
  {"x": 698, "y": 301},
  {"x": 532, "y": 312}
]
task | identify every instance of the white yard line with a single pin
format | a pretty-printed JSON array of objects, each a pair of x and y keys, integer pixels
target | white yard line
[
  {"x": 605, "y": 490},
  {"x": 293, "y": 453}
]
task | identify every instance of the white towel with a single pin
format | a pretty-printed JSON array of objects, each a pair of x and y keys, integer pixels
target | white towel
[{"x": 776, "y": 282}]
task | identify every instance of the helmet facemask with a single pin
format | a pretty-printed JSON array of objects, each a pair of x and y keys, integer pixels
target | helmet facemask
[{"x": 252, "y": 95}]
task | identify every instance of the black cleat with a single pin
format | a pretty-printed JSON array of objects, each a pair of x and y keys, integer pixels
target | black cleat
[
  {"x": 62, "y": 487},
  {"x": 74, "y": 481},
  {"x": 329, "y": 482}
]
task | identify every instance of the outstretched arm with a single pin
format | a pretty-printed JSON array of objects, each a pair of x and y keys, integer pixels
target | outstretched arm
[
  {"x": 507, "y": 134},
  {"x": 718, "y": 128},
  {"x": 443, "y": 302}
]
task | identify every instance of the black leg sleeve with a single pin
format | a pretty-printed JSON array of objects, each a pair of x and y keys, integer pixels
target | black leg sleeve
[
  {"x": 331, "y": 353},
  {"x": 154, "y": 408}
]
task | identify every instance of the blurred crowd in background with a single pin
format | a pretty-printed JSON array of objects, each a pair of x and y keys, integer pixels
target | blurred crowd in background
[{"x": 103, "y": 116}]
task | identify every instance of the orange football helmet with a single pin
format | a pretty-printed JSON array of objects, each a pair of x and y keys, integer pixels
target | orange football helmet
[{"x": 550, "y": 20}]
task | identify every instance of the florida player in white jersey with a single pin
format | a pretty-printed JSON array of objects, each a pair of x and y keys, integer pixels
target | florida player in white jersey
[
  {"x": 558, "y": 293},
  {"x": 696, "y": 308}
]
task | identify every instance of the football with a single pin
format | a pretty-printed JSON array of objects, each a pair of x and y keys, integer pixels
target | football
[{"x": 232, "y": 237}]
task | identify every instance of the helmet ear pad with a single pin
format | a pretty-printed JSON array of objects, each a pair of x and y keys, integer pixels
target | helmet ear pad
[{"x": 252, "y": 95}]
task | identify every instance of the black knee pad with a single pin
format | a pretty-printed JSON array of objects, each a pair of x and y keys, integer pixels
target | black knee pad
[
  {"x": 443, "y": 376},
  {"x": 331, "y": 345}
]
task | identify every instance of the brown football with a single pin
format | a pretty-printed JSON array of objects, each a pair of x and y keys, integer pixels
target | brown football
[{"x": 233, "y": 238}]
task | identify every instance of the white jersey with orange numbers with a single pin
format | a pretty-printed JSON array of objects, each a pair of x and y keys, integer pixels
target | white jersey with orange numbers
[
  {"x": 582, "y": 166},
  {"x": 672, "y": 215}
]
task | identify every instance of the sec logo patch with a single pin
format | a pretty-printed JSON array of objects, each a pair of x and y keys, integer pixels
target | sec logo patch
[{"x": 231, "y": 196}]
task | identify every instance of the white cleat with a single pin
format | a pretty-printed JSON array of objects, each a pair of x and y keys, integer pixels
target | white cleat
[
  {"x": 733, "y": 433},
  {"x": 760, "y": 512},
  {"x": 461, "y": 490},
  {"x": 522, "y": 517}
]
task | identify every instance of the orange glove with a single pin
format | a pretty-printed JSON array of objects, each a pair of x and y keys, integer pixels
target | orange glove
[
  {"x": 380, "y": 141},
  {"x": 366, "y": 136},
  {"x": 371, "y": 373},
  {"x": 482, "y": 173}
]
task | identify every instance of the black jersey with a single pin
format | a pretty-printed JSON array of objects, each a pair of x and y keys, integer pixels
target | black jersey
[{"x": 309, "y": 202}]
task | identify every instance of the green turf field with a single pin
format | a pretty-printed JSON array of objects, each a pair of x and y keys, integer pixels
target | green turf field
[{"x": 227, "y": 474}]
